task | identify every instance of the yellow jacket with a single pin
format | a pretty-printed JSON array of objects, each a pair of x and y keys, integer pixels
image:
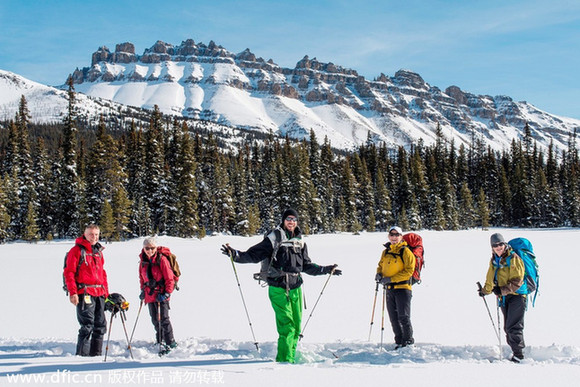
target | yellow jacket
[
  {"x": 398, "y": 263},
  {"x": 509, "y": 277}
]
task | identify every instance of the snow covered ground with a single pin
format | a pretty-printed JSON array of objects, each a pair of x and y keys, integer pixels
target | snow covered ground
[{"x": 455, "y": 342}]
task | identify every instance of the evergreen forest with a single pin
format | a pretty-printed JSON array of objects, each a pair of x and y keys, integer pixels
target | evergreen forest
[{"x": 168, "y": 177}]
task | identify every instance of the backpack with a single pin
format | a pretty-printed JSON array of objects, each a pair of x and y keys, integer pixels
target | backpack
[
  {"x": 266, "y": 264},
  {"x": 82, "y": 260},
  {"x": 172, "y": 259},
  {"x": 523, "y": 248},
  {"x": 415, "y": 243}
]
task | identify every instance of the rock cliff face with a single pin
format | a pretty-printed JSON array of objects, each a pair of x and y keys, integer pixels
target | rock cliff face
[{"x": 197, "y": 80}]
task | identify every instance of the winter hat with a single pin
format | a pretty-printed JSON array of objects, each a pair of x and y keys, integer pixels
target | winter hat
[
  {"x": 289, "y": 212},
  {"x": 397, "y": 229},
  {"x": 496, "y": 238}
]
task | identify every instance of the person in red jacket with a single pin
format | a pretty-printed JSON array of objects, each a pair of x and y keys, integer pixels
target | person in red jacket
[
  {"x": 157, "y": 283},
  {"x": 86, "y": 282}
]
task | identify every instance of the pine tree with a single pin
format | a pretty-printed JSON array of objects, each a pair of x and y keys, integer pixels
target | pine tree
[
  {"x": 135, "y": 166},
  {"x": 317, "y": 208},
  {"x": 571, "y": 183},
  {"x": 253, "y": 219},
  {"x": 483, "y": 210},
  {"x": 107, "y": 222},
  {"x": 27, "y": 194},
  {"x": 327, "y": 189},
  {"x": 365, "y": 196},
  {"x": 30, "y": 231},
  {"x": 350, "y": 216},
  {"x": 188, "y": 225},
  {"x": 155, "y": 174},
  {"x": 420, "y": 187},
  {"x": 383, "y": 211},
  {"x": 466, "y": 208},
  {"x": 521, "y": 189},
  {"x": 46, "y": 189},
  {"x": 439, "y": 220},
  {"x": 4, "y": 215},
  {"x": 121, "y": 207},
  {"x": 69, "y": 192}
]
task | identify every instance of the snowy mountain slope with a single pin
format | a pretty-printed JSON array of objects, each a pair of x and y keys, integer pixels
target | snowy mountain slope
[
  {"x": 456, "y": 345},
  {"x": 48, "y": 104},
  {"x": 207, "y": 81}
]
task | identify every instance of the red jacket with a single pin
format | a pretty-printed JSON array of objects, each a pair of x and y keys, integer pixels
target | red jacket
[
  {"x": 91, "y": 277},
  {"x": 160, "y": 271}
]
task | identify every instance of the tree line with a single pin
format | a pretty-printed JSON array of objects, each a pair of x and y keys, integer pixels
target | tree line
[{"x": 166, "y": 177}]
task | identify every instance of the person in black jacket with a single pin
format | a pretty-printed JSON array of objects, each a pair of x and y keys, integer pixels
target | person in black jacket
[{"x": 287, "y": 257}]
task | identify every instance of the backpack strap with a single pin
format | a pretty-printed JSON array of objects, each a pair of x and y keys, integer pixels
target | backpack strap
[
  {"x": 275, "y": 237},
  {"x": 276, "y": 243},
  {"x": 151, "y": 283},
  {"x": 83, "y": 259},
  {"x": 399, "y": 254}
]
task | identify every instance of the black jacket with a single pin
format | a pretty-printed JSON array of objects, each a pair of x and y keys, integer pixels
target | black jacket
[{"x": 291, "y": 258}]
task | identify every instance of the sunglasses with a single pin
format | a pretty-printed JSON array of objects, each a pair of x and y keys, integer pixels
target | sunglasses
[
  {"x": 291, "y": 219},
  {"x": 394, "y": 234},
  {"x": 150, "y": 248},
  {"x": 497, "y": 244}
]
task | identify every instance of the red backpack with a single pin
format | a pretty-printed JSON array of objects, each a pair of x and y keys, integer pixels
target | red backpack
[{"x": 415, "y": 243}]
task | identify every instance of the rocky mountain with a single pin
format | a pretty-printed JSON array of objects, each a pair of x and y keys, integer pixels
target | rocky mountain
[{"x": 208, "y": 82}]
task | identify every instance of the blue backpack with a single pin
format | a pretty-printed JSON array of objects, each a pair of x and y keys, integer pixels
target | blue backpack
[{"x": 523, "y": 248}]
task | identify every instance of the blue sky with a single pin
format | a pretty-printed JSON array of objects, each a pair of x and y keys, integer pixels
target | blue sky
[{"x": 527, "y": 49}]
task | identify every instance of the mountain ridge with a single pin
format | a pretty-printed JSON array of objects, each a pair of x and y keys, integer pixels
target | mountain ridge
[{"x": 207, "y": 82}]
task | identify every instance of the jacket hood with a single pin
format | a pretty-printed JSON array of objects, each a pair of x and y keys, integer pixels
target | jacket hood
[{"x": 82, "y": 241}]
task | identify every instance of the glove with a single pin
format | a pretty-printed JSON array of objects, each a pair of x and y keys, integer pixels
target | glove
[
  {"x": 328, "y": 270},
  {"x": 481, "y": 293},
  {"x": 227, "y": 250},
  {"x": 385, "y": 280},
  {"x": 497, "y": 291},
  {"x": 142, "y": 295},
  {"x": 163, "y": 297},
  {"x": 378, "y": 277}
]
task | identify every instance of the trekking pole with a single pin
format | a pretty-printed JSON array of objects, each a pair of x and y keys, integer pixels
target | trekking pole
[
  {"x": 108, "y": 337},
  {"x": 123, "y": 319},
  {"x": 160, "y": 327},
  {"x": 488, "y": 311},
  {"x": 499, "y": 332},
  {"x": 243, "y": 300},
  {"x": 137, "y": 319},
  {"x": 316, "y": 303},
  {"x": 373, "y": 312},
  {"x": 383, "y": 315},
  {"x": 496, "y": 330}
]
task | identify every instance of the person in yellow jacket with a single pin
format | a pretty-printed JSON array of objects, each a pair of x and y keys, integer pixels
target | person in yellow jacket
[
  {"x": 504, "y": 277},
  {"x": 394, "y": 272}
]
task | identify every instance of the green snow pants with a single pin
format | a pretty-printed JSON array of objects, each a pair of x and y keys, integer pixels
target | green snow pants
[{"x": 288, "y": 310}]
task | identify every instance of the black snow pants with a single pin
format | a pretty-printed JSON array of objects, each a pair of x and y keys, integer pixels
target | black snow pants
[
  {"x": 91, "y": 316},
  {"x": 513, "y": 309},
  {"x": 163, "y": 328},
  {"x": 399, "y": 308}
]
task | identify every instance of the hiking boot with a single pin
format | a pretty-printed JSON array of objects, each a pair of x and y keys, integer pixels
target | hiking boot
[
  {"x": 166, "y": 348},
  {"x": 517, "y": 357},
  {"x": 405, "y": 344}
]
